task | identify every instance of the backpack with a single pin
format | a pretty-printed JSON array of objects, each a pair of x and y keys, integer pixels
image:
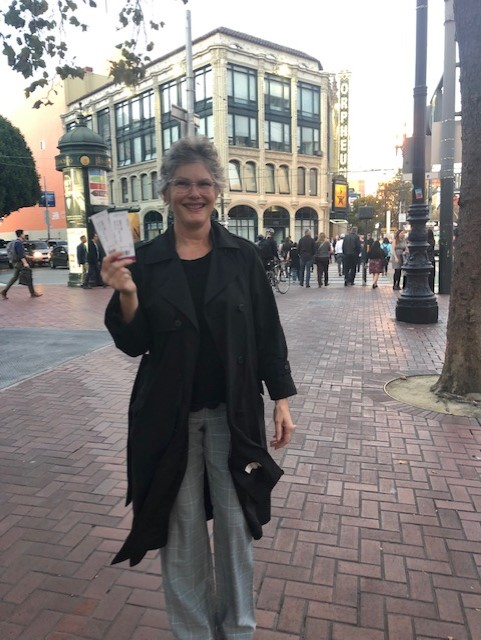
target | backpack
[{"x": 12, "y": 252}]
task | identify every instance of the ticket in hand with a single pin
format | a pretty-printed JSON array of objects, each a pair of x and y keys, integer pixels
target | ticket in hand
[{"x": 113, "y": 230}]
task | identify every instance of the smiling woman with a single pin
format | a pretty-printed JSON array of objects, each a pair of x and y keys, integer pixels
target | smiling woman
[{"x": 197, "y": 305}]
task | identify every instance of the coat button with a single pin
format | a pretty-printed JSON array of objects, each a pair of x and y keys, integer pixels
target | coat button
[
  {"x": 240, "y": 360},
  {"x": 241, "y": 306},
  {"x": 177, "y": 324}
]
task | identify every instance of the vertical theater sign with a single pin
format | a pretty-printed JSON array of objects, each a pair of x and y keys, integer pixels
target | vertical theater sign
[{"x": 340, "y": 189}]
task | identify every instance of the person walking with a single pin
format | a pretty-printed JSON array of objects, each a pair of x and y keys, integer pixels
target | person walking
[
  {"x": 386, "y": 247},
  {"x": 338, "y": 255},
  {"x": 351, "y": 249},
  {"x": 94, "y": 257},
  {"x": 375, "y": 259},
  {"x": 197, "y": 306},
  {"x": 293, "y": 262},
  {"x": 20, "y": 262},
  {"x": 307, "y": 249},
  {"x": 322, "y": 258},
  {"x": 82, "y": 255},
  {"x": 398, "y": 254}
]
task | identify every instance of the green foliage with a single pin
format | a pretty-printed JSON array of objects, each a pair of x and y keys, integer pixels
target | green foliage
[
  {"x": 19, "y": 181},
  {"x": 34, "y": 39}
]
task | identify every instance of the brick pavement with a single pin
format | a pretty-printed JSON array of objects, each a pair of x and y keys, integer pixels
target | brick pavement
[{"x": 376, "y": 528}]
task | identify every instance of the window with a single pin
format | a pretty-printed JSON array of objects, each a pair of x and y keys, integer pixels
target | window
[
  {"x": 135, "y": 129},
  {"x": 144, "y": 186},
  {"x": 242, "y": 130},
  {"x": 235, "y": 182},
  {"x": 284, "y": 185},
  {"x": 134, "y": 189},
  {"x": 250, "y": 177},
  {"x": 241, "y": 85},
  {"x": 124, "y": 188},
  {"x": 171, "y": 93},
  {"x": 270, "y": 178},
  {"x": 308, "y": 101},
  {"x": 277, "y": 136},
  {"x": 203, "y": 85},
  {"x": 103, "y": 126},
  {"x": 301, "y": 181},
  {"x": 277, "y": 94},
  {"x": 313, "y": 182},
  {"x": 154, "y": 185},
  {"x": 308, "y": 140}
]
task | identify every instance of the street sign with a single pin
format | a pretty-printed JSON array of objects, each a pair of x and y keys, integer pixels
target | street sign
[{"x": 178, "y": 113}]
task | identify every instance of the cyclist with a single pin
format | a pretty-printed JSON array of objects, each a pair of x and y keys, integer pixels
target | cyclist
[{"x": 268, "y": 250}]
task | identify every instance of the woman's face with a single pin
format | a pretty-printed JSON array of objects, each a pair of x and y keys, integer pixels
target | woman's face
[{"x": 191, "y": 195}]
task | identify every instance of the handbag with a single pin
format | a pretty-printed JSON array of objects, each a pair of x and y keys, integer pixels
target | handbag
[{"x": 25, "y": 276}]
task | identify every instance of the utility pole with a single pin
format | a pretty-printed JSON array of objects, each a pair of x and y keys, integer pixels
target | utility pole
[{"x": 447, "y": 151}]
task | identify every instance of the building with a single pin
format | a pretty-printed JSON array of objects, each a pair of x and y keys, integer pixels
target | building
[{"x": 271, "y": 111}]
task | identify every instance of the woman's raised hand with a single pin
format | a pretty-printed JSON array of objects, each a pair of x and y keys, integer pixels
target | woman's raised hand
[{"x": 115, "y": 273}]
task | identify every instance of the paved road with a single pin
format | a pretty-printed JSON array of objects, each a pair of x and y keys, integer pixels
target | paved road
[{"x": 376, "y": 527}]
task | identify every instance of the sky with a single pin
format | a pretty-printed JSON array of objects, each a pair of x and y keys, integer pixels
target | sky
[{"x": 372, "y": 39}]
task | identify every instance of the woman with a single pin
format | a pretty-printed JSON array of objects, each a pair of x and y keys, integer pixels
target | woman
[
  {"x": 398, "y": 253},
  {"x": 386, "y": 247},
  {"x": 322, "y": 258},
  {"x": 376, "y": 262},
  {"x": 197, "y": 305}
]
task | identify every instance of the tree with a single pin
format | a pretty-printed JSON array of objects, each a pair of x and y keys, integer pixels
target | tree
[
  {"x": 19, "y": 180},
  {"x": 35, "y": 34},
  {"x": 461, "y": 374},
  {"x": 394, "y": 196}
]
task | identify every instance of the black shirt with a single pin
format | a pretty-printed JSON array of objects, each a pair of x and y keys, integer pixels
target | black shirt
[{"x": 209, "y": 379}]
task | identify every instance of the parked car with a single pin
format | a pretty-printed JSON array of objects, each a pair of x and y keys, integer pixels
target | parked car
[
  {"x": 36, "y": 252},
  {"x": 56, "y": 243},
  {"x": 3, "y": 254},
  {"x": 58, "y": 257}
]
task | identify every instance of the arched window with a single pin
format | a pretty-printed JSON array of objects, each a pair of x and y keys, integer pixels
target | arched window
[
  {"x": 124, "y": 189},
  {"x": 153, "y": 224},
  {"x": 144, "y": 187},
  {"x": 301, "y": 181},
  {"x": 153, "y": 185},
  {"x": 250, "y": 177},
  {"x": 134, "y": 189},
  {"x": 284, "y": 184},
  {"x": 270, "y": 179},
  {"x": 243, "y": 222},
  {"x": 313, "y": 182},
  {"x": 235, "y": 182}
]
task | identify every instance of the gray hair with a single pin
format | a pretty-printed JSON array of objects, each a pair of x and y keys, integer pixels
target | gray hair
[{"x": 189, "y": 151}]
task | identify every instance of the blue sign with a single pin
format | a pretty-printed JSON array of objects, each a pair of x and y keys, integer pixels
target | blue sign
[{"x": 47, "y": 199}]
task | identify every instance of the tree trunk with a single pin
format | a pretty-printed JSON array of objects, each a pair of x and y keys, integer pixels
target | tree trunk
[{"x": 461, "y": 373}]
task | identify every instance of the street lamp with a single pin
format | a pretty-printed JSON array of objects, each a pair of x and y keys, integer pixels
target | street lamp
[{"x": 417, "y": 303}]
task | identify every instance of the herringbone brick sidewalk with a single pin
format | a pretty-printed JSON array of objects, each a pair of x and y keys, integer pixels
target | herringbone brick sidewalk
[{"x": 376, "y": 528}]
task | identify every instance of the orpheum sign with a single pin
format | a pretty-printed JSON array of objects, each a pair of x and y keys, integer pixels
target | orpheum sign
[{"x": 343, "y": 123}]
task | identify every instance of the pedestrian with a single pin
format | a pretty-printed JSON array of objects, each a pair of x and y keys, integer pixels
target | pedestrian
[
  {"x": 386, "y": 247},
  {"x": 293, "y": 262},
  {"x": 375, "y": 259},
  {"x": 307, "y": 249},
  {"x": 19, "y": 263},
  {"x": 286, "y": 247},
  {"x": 338, "y": 254},
  {"x": 268, "y": 249},
  {"x": 321, "y": 258},
  {"x": 82, "y": 254},
  {"x": 94, "y": 258},
  {"x": 398, "y": 256},
  {"x": 431, "y": 257},
  {"x": 197, "y": 306},
  {"x": 351, "y": 249}
]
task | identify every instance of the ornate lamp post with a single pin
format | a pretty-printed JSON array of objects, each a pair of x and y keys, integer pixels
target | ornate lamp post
[
  {"x": 417, "y": 303},
  {"x": 84, "y": 162}
]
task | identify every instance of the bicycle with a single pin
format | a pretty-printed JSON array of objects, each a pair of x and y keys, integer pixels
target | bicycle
[{"x": 278, "y": 276}]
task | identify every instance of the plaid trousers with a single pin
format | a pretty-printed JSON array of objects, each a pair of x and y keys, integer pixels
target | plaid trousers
[{"x": 209, "y": 599}]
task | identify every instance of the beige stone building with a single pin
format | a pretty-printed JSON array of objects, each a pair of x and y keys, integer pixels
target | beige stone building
[{"x": 270, "y": 110}]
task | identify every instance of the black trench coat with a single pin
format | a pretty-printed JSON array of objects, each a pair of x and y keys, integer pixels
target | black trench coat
[{"x": 241, "y": 313}]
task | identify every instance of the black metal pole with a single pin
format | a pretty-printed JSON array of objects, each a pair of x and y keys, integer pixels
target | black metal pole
[{"x": 417, "y": 304}]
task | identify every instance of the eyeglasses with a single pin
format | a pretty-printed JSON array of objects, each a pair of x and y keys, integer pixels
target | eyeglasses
[{"x": 183, "y": 186}]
